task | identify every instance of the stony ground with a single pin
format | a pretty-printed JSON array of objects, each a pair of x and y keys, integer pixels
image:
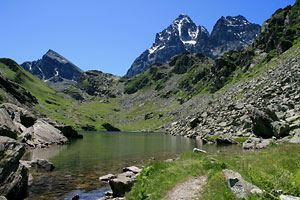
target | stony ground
[
  {"x": 190, "y": 189},
  {"x": 228, "y": 115}
]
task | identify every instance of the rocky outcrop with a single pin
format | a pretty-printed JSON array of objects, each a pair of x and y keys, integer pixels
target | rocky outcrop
[
  {"x": 256, "y": 143},
  {"x": 32, "y": 128},
  {"x": 230, "y": 33},
  {"x": 67, "y": 131},
  {"x": 7, "y": 126},
  {"x": 13, "y": 175},
  {"x": 241, "y": 188},
  {"x": 265, "y": 106},
  {"x": 42, "y": 134},
  {"x": 97, "y": 83}
]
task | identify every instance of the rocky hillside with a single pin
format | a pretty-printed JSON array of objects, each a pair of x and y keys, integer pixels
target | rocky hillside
[
  {"x": 183, "y": 35},
  {"x": 259, "y": 99},
  {"x": 53, "y": 68}
]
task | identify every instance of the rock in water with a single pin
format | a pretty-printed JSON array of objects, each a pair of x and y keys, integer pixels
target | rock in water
[
  {"x": 122, "y": 184},
  {"x": 13, "y": 175},
  {"x": 110, "y": 127},
  {"x": 39, "y": 164}
]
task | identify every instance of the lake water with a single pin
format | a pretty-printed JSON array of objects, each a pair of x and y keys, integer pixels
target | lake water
[{"x": 80, "y": 164}]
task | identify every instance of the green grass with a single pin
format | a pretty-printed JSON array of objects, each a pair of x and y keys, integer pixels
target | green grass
[
  {"x": 273, "y": 168},
  {"x": 241, "y": 139},
  {"x": 158, "y": 177}
]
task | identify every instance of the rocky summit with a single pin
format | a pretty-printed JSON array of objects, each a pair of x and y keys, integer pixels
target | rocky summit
[
  {"x": 183, "y": 35},
  {"x": 53, "y": 66}
]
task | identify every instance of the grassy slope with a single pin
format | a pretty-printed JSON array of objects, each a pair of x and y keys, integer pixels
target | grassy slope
[{"x": 273, "y": 168}]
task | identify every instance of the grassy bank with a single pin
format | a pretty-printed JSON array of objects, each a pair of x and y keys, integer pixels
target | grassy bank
[{"x": 275, "y": 168}]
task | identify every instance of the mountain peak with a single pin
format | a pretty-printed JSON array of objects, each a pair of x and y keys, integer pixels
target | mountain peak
[
  {"x": 183, "y": 35},
  {"x": 52, "y": 65}
]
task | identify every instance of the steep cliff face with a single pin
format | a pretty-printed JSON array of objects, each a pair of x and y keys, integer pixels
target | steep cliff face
[
  {"x": 183, "y": 35},
  {"x": 231, "y": 33},
  {"x": 53, "y": 65}
]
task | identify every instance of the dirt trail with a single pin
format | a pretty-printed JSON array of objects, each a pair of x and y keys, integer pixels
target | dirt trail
[{"x": 187, "y": 190}]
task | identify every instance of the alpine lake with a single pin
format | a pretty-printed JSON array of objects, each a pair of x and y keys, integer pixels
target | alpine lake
[{"x": 79, "y": 164}]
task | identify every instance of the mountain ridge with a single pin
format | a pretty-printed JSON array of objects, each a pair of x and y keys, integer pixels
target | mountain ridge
[
  {"x": 184, "y": 35},
  {"x": 51, "y": 65}
]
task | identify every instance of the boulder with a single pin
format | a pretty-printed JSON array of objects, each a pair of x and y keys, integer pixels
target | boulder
[
  {"x": 110, "y": 127},
  {"x": 42, "y": 133},
  {"x": 261, "y": 122},
  {"x": 296, "y": 137},
  {"x": 3, "y": 198},
  {"x": 39, "y": 164},
  {"x": 133, "y": 169},
  {"x": 68, "y": 131},
  {"x": 23, "y": 116},
  {"x": 13, "y": 175},
  {"x": 225, "y": 140},
  {"x": 122, "y": 184},
  {"x": 288, "y": 197},
  {"x": 76, "y": 197},
  {"x": 256, "y": 143},
  {"x": 107, "y": 177},
  {"x": 280, "y": 128},
  {"x": 7, "y": 126},
  {"x": 241, "y": 188}
]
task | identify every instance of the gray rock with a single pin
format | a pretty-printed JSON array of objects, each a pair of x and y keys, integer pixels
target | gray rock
[
  {"x": 2, "y": 198},
  {"x": 7, "y": 126},
  {"x": 256, "y": 143},
  {"x": 261, "y": 122},
  {"x": 225, "y": 140},
  {"x": 76, "y": 197},
  {"x": 288, "y": 197},
  {"x": 133, "y": 169},
  {"x": 240, "y": 187},
  {"x": 107, "y": 177},
  {"x": 196, "y": 150},
  {"x": 122, "y": 184},
  {"x": 42, "y": 133},
  {"x": 296, "y": 137},
  {"x": 280, "y": 128},
  {"x": 39, "y": 164},
  {"x": 239, "y": 106},
  {"x": 13, "y": 175},
  {"x": 67, "y": 131}
]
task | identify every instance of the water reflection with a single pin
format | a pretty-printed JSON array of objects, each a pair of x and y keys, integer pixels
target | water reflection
[{"x": 79, "y": 164}]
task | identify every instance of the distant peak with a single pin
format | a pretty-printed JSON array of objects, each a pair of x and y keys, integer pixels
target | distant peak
[
  {"x": 51, "y": 52},
  {"x": 183, "y": 16}
]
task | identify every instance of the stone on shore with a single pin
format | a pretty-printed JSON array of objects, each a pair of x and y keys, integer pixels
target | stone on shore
[
  {"x": 122, "y": 184},
  {"x": 43, "y": 134},
  {"x": 13, "y": 175},
  {"x": 196, "y": 150},
  {"x": 133, "y": 169},
  {"x": 107, "y": 177},
  {"x": 240, "y": 187}
]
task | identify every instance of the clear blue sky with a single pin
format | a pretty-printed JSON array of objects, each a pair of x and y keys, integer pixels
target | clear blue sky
[{"x": 108, "y": 35}]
